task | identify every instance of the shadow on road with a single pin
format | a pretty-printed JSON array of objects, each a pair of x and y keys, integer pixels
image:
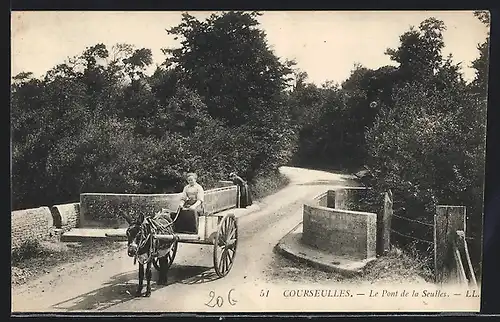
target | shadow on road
[
  {"x": 205, "y": 277},
  {"x": 121, "y": 288}
]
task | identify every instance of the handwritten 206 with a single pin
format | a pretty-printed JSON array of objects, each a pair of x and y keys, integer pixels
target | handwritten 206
[{"x": 218, "y": 301}]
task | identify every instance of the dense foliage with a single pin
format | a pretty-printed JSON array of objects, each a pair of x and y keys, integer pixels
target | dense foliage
[
  {"x": 419, "y": 128},
  {"x": 98, "y": 123},
  {"x": 222, "y": 102}
]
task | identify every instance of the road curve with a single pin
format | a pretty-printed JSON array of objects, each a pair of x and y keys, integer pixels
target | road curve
[{"x": 193, "y": 286}]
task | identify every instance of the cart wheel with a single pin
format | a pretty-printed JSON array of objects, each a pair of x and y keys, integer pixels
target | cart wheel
[
  {"x": 170, "y": 257},
  {"x": 225, "y": 243}
]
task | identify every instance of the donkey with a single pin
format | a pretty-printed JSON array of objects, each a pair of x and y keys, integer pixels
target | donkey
[{"x": 144, "y": 248}]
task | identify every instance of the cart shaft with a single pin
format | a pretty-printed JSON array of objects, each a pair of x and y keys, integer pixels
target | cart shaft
[
  {"x": 179, "y": 237},
  {"x": 115, "y": 234}
]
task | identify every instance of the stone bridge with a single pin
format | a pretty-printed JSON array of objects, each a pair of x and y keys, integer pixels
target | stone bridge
[{"x": 104, "y": 211}]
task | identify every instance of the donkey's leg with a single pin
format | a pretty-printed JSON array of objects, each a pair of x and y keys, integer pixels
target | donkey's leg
[
  {"x": 162, "y": 279},
  {"x": 148, "y": 278},
  {"x": 141, "y": 278}
]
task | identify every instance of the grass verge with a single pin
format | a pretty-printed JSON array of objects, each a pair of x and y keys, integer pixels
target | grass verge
[
  {"x": 264, "y": 186},
  {"x": 398, "y": 266}
]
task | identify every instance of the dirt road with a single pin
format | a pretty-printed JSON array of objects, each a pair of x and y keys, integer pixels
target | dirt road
[{"x": 107, "y": 283}]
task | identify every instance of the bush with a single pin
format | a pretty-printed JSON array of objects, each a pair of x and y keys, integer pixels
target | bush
[
  {"x": 399, "y": 266},
  {"x": 264, "y": 186},
  {"x": 97, "y": 130},
  {"x": 29, "y": 249},
  {"x": 429, "y": 149}
]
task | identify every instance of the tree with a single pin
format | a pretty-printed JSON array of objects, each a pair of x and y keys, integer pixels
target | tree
[
  {"x": 184, "y": 112},
  {"x": 427, "y": 144},
  {"x": 363, "y": 88},
  {"x": 318, "y": 117},
  {"x": 481, "y": 64},
  {"x": 27, "y": 103},
  {"x": 419, "y": 54},
  {"x": 227, "y": 60},
  {"x": 55, "y": 120}
]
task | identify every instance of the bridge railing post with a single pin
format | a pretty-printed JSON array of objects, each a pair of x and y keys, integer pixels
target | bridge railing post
[
  {"x": 447, "y": 221},
  {"x": 384, "y": 224},
  {"x": 330, "y": 198}
]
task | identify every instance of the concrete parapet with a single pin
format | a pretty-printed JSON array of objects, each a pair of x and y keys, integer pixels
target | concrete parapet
[
  {"x": 66, "y": 216},
  {"x": 30, "y": 225},
  {"x": 342, "y": 232}
]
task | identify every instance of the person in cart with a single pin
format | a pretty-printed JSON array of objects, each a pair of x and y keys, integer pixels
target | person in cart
[{"x": 191, "y": 206}]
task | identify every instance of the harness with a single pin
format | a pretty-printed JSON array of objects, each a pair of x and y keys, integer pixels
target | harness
[
  {"x": 154, "y": 226},
  {"x": 144, "y": 239}
]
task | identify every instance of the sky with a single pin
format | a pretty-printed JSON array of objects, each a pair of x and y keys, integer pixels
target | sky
[{"x": 325, "y": 44}]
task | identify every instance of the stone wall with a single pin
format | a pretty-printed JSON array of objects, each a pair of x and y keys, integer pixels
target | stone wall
[
  {"x": 358, "y": 198},
  {"x": 108, "y": 210},
  {"x": 321, "y": 199},
  {"x": 34, "y": 224},
  {"x": 342, "y": 232},
  {"x": 105, "y": 210},
  {"x": 325, "y": 199},
  {"x": 367, "y": 200},
  {"x": 66, "y": 216}
]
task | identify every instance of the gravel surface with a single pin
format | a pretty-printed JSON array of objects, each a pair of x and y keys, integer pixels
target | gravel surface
[{"x": 57, "y": 258}]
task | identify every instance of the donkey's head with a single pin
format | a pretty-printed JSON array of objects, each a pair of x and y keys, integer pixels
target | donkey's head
[{"x": 135, "y": 234}]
